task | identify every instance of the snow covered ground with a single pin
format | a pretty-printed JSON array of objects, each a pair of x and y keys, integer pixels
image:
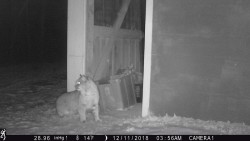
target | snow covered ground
[{"x": 27, "y": 105}]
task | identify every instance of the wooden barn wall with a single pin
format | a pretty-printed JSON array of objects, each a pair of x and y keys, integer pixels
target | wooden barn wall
[
  {"x": 106, "y": 13},
  {"x": 127, "y": 50},
  {"x": 200, "y": 59}
]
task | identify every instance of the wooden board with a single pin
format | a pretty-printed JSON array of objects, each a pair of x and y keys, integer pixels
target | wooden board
[
  {"x": 76, "y": 41},
  {"x": 90, "y": 37},
  {"x": 147, "y": 58}
]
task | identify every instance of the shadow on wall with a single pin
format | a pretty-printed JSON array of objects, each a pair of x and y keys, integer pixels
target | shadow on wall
[{"x": 205, "y": 98}]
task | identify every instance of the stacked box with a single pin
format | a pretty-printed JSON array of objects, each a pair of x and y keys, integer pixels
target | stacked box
[{"x": 118, "y": 94}]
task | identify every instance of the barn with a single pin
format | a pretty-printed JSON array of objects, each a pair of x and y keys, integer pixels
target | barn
[
  {"x": 161, "y": 66},
  {"x": 105, "y": 38},
  {"x": 193, "y": 54}
]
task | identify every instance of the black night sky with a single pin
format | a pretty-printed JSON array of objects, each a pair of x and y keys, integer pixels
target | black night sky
[{"x": 33, "y": 31}]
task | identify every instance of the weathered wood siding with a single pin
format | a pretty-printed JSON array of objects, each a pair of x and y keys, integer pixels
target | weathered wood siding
[
  {"x": 126, "y": 39},
  {"x": 126, "y": 52},
  {"x": 106, "y": 13}
]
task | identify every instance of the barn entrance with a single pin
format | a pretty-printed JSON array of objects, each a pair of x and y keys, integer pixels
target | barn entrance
[
  {"x": 118, "y": 50},
  {"x": 109, "y": 48}
]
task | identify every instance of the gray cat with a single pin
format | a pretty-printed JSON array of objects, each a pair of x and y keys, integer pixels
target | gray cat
[{"x": 84, "y": 98}]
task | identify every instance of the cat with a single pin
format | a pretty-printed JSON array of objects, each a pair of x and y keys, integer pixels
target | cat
[{"x": 85, "y": 98}]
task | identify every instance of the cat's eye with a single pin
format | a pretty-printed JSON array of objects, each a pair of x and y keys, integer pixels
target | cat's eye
[{"x": 78, "y": 82}]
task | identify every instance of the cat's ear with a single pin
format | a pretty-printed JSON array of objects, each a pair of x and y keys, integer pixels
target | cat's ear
[{"x": 90, "y": 75}]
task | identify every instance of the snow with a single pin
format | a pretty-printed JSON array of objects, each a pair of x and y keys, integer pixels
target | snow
[{"x": 28, "y": 94}]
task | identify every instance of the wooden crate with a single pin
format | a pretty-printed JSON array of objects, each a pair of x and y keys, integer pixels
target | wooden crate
[
  {"x": 124, "y": 84},
  {"x": 108, "y": 101},
  {"x": 118, "y": 94}
]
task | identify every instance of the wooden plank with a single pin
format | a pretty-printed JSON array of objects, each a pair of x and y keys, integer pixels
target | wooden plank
[
  {"x": 113, "y": 61},
  {"x": 76, "y": 41},
  {"x": 90, "y": 37},
  {"x": 147, "y": 57},
  {"x": 122, "y": 53},
  {"x": 119, "y": 33},
  {"x": 116, "y": 56},
  {"x": 139, "y": 56},
  {"x": 135, "y": 54},
  {"x": 121, "y": 14},
  {"x": 97, "y": 51},
  {"x": 138, "y": 66},
  {"x": 129, "y": 56},
  {"x": 125, "y": 53},
  {"x": 129, "y": 52},
  {"x": 104, "y": 73},
  {"x": 132, "y": 52},
  {"x": 103, "y": 42}
]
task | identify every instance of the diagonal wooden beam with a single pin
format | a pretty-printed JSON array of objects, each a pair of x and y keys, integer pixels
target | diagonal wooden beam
[
  {"x": 109, "y": 46},
  {"x": 121, "y": 14}
]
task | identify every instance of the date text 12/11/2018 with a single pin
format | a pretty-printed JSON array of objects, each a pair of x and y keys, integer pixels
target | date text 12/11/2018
[{"x": 130, "y": 137}]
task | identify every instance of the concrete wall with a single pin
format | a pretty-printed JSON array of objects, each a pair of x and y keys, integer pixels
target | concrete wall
[{"x": 200, "y": 59}]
